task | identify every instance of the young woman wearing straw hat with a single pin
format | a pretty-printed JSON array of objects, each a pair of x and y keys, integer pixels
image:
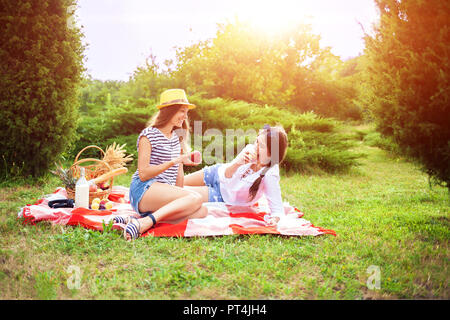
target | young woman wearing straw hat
[{"x": 156, "y": 192}]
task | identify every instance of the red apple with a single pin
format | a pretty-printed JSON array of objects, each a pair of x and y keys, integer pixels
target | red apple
[
  {"x": 92, "y": 188},
  {"x": 196, "y": 157}
]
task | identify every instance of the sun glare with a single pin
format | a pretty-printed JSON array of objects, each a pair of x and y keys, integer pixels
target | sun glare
[
  {"x": 127, "y": 31},
  {"x": 272, "y": 16}
]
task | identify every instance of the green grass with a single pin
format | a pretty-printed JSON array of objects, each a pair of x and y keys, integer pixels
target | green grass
[{"x": 383, "y": 211}]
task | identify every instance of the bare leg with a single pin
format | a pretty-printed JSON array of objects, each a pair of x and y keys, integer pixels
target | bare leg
[
  {"x": 169, "y": 203},
  {"x": 203, "y": 191},
  {"x": 194, "y": 179}
]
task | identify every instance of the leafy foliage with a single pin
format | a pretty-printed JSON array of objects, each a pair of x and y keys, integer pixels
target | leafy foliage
[
  {"x": 40, "y": 69},
  {"x": 409, "y": 76},
  {"x": 107, "y": 127},
  {"x": 315, "y": 143},
  {"x": 67, "y": 179},
  {"x": 289, "y": 69}
]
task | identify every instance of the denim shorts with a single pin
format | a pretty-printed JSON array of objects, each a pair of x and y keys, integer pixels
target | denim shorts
[
  {"x": 137, "y": 190},
  {"x": 211, "y": 179}
]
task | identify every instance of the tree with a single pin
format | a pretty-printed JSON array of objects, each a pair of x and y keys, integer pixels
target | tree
[
  {"x": 243, "y": 63},
  {"x": 409, "y": 72},
  {"x": 285, "y": 69},
  {"x": 40, "y": 70}
]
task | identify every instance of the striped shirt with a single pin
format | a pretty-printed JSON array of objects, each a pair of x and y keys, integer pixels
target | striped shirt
[{"x": 163, "y": 150}]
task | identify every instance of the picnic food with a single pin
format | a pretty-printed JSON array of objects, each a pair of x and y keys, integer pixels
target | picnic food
[
  {"x": 115, "y": 156},
  {"x": 100, "y": 173},
  {"x": 103, "y": 185},
  {"x": 196, "y": 157},
  {"x": 65, "y": 175},
  {"x": 110, "y": 174}
]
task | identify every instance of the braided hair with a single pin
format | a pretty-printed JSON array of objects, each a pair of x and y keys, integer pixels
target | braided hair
[{"x": 275, "y": 137}]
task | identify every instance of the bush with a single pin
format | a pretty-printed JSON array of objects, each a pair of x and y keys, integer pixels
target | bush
[
  {"x": 40, "y": 68},
  {"x": 311, "y": 150},
  {"x": 112, "y": 124},
  {"x": 375, "y": 139},
  {"x": 127, "y": 120},
  {"x": 314, "y": 142},
  {"x": 409, "y": 68},
  {"x": 240, "y": 114}
]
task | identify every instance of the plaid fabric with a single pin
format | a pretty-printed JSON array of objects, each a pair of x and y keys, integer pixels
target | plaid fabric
[{"x": 221, "y": 220}]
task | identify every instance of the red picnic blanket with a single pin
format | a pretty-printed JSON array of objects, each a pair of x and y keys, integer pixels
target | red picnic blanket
[{"x": 222, "y": 219}]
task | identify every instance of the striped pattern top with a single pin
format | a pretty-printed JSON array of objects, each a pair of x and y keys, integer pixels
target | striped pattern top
[{"x": 163, "y": 149}]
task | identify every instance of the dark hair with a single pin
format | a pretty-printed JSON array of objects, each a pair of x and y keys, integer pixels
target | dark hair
[{"x": 275, "y": 136}]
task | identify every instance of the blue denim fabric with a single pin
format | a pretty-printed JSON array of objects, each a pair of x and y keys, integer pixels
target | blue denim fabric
[
  {"x": 137, "y": 190},
  {"x": 211, "y": 179}
]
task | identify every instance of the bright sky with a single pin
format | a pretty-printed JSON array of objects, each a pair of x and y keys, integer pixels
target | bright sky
[{"x": 121, "y": 33}]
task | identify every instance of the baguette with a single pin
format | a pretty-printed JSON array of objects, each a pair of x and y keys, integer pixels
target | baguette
[{"x": 109, "y": 175}]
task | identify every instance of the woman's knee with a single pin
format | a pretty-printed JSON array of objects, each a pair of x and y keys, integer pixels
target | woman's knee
[
  {"x": 203, "y": 212},
  {"x": 195, "y": 199}
]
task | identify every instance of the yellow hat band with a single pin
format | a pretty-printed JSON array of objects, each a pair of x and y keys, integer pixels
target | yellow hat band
[
  {"x": 177, "y": 101},
  {"x": 174, "y": 96}
]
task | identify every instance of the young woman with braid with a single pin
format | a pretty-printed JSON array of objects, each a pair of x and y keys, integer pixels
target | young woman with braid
[{"x": 253, "y": 173}]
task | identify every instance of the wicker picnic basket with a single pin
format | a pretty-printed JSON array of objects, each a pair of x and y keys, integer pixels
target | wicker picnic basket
[{"x": 93, "y": 169}]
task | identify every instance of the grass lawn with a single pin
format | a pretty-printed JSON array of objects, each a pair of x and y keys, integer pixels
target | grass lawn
[{"x": 384, "y": 213}]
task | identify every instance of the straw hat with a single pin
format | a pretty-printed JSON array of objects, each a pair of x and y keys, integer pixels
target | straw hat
[{"x": 174, "y": 96}]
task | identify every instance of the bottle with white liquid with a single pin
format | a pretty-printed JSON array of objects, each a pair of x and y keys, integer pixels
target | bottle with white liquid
[{"x": 82, "y": 192}]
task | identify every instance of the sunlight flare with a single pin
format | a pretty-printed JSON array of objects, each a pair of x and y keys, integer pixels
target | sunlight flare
[{"x": 273, "y": 17}]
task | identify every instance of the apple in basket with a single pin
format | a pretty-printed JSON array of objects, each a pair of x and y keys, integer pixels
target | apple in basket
[
  {"x": 93, "y": 188},
  {"x": 103, "y": 185}
]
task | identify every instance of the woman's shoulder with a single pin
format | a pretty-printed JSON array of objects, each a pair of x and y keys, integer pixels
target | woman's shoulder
[
  {"x": 146, "y": 130},
  {"x": 152, "y": 134},
  {"x": 150, "y": 129}
]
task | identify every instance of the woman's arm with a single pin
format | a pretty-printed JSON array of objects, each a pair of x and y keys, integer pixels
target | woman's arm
[
  {"x": 272, "y": 190},
  {"x": 146, "y": 170},
  {"x": 244, "y": 157},
  {"x": 180, "y": 176},
  {"x": 231, "y": 169}
]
